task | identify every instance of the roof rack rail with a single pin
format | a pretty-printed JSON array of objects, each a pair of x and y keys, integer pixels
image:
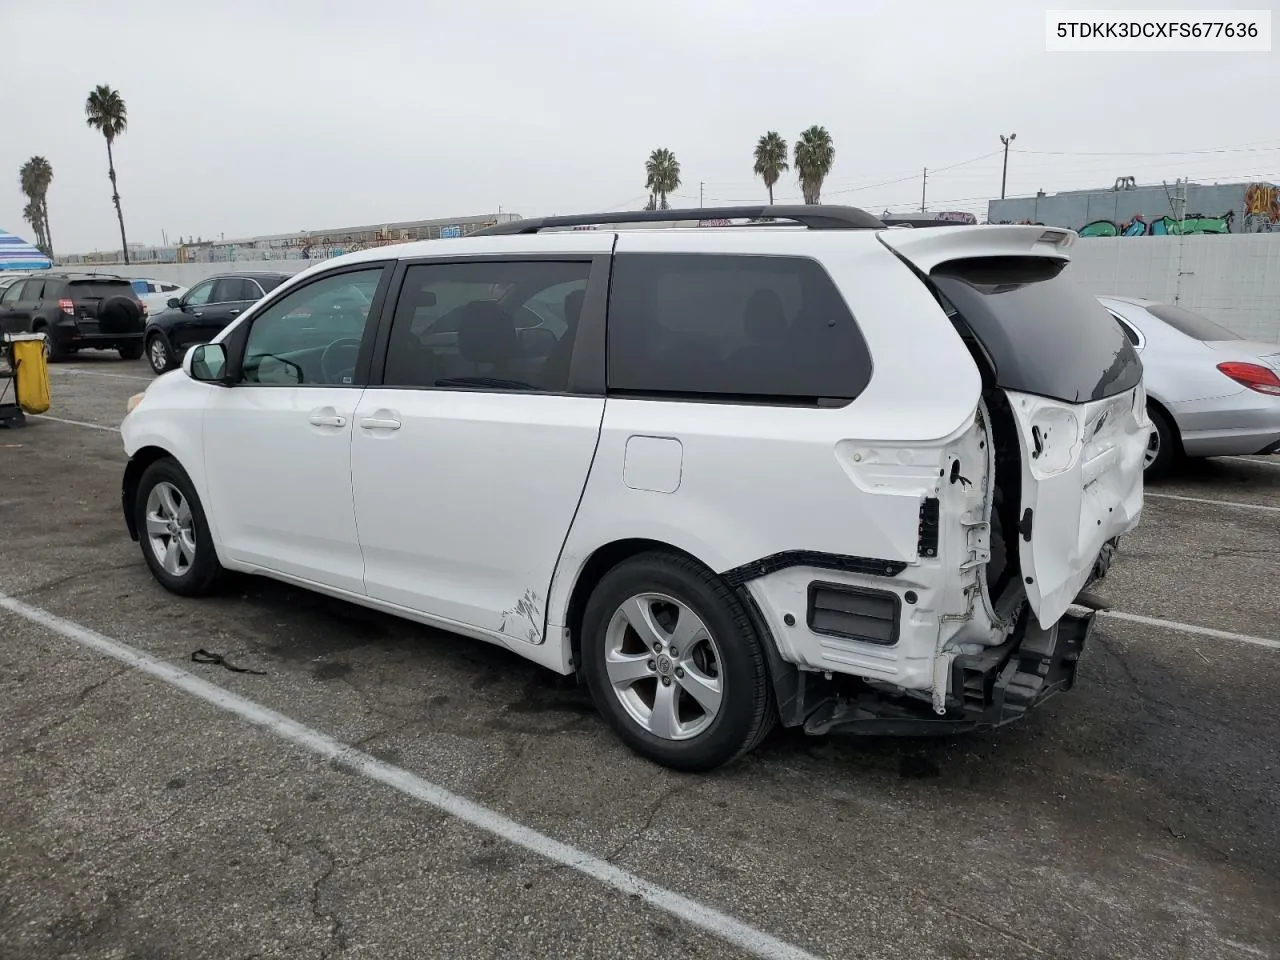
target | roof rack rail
[{"x": 813, "y": 216}]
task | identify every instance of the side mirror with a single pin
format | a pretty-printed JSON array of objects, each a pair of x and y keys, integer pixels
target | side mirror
[
  {"x": 206, "y": 362},
  {"x": 427, "y": 298},
  {"x": 174, "y": 302}
]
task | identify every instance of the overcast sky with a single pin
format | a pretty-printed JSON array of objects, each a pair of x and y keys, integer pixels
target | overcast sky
[{"x": 255, "y": 117}]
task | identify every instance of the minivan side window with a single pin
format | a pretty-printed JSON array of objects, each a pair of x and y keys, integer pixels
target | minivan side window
[
  {"x": 312, "y": 334},
  {"x": 492, "y": 325},
  {"x": 13, "y": 293},
  {"x": 731, "y": 327}
]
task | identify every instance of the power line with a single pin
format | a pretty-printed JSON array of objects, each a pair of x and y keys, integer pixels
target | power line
[{"x": 1149, "y": 153}]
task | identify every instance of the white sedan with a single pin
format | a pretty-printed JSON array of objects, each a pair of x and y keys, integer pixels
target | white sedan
[
  {"x": 1210, "y": 392},
  {"x": 156, "y": 294}
]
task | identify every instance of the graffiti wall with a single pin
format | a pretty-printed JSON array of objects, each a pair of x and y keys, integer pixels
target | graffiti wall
[
  {"x": 1149, "y": 211},
  {"x": 1139, "y": 226},
  {"x": 1261, "y": 208}
]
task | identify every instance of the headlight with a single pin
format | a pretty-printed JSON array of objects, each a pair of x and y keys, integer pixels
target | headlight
[{"x": 133, "y": 402}]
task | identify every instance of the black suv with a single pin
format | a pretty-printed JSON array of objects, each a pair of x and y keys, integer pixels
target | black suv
[
  {"x": 76, "y": 311},
  {"x": 201, "y": 313}
]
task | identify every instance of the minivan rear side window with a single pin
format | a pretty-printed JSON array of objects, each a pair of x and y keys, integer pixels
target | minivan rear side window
[
  {"x": 713, "y": 326},
  {"x": 1042, "y": 331}
]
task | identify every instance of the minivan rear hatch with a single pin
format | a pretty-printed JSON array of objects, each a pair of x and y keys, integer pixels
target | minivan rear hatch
[{"x": 1073, "y": 383}]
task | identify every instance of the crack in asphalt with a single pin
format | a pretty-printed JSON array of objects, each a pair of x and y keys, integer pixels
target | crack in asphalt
[
  {"x": 77, "y": 700},
  {"x": 658, "y": 804},
  {"x": 95, "y": 570},
  {"x": 336, "y": 932}
]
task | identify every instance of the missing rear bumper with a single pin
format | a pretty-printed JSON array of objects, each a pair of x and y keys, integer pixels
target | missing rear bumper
[{"x": 988, "y": 690}]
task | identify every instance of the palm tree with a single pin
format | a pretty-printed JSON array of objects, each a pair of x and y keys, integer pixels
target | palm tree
[
  {"x": 662, "y": 173},
  {"x": 105, "y": 111},
  {"x": 31, "y": 213},
  {"x": 35, "y": 176},
  {"x": 771, "y": 160},
  {"x": 814, "y": 155}
]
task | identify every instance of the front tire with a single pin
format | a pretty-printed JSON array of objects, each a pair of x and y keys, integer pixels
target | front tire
[
  {"x": 674, "y": 663},
  {"x": 173, "y": 532},
  {"x": 158, "y": 354},
  {"x": 1164, "y": 446}
]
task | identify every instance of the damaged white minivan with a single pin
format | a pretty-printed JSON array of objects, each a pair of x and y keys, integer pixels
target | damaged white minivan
[{"x": 799, "y": 468}]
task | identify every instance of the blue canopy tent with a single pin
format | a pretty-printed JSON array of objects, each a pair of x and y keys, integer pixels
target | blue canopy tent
[{"x": 17, "y": 254}]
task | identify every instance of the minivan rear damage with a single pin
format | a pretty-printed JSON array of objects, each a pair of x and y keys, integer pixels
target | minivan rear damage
[{"x": 1029, "y": 502}]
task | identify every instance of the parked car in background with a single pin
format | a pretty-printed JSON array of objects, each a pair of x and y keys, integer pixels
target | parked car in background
[
  {"x": 76, "y": 311},
  {"x": 1210, "y": 392},
  {"x": 9, "y": 279},
  {"x": 850, "y": 478},
  {"x": 199, "y": 314},
  {"x": 156, "y": 294}
]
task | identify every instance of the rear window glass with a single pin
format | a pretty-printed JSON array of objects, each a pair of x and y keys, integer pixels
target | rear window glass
[
  {"x": 1043, "y": 333},
  {"x": 723, "y": 326},
  {"x": 101, "y": 288},
  {"x": 1191, "y": 324}
]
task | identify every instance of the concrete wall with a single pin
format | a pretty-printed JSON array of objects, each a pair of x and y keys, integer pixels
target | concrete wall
[
  {"x": 1149, "y": 210},
  {"x": 1233, "y": 280},
  {"x": 188, "y": 274}
]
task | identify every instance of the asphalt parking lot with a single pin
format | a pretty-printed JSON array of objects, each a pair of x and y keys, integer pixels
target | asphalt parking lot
[{"x": 1137, "y": 816}]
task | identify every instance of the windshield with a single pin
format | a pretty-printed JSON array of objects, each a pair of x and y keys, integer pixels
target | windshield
[{"x": 1191, "y": 324}]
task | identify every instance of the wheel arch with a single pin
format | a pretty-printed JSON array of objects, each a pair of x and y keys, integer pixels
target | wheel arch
[
  {"x": 784, "y": 677},
  {"x": 133, "y": 471},
  {"x": 1173, "y": 422}
]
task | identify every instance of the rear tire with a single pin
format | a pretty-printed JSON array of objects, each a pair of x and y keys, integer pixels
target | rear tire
[
  {"x": 173, "y": 532},
  {"x": 703, "y": 697},
  {"x": 131, "y": 352},
  {"x": 1165, "y": 446},
  {"x": 53, "y": 351}
]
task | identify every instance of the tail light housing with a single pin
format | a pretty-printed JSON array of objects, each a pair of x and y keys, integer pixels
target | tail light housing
[
  {"x": 1254, "y": 376},
  {"x": 67, "y": 305}
]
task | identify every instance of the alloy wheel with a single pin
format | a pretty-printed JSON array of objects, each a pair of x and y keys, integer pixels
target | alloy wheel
[
  {"x": 664, "y": 667},
  {"x": 158, "y": 355},
  {"x": 1153, "y": 449},
  {"x": 170, "y": 528}
]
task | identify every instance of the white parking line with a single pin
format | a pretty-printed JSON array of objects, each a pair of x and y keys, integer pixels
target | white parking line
[
  {"x": 1191, "y": 628},
  {"x": 99, "y": 373},
  {"x": 1217, "y": 503},
  {"x": 741, "y": 935},
  {"x": 74, "y": 423}
]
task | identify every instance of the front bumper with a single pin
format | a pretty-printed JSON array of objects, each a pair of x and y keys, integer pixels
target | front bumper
[{"x": 987, "y": 690}]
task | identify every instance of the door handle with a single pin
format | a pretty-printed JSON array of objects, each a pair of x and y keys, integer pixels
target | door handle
[
  {"x": 197, "y": 314},
  {"x": 380, "y": 423},
  {"x": 235, "y": 311},
  {"x": 327, "y": 420}
]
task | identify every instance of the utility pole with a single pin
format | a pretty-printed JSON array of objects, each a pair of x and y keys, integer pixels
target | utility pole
[
  {"x": 924, "y": 182},
  {"x": 1004, "y": 173},
  {"x": 701, "y": 184}
]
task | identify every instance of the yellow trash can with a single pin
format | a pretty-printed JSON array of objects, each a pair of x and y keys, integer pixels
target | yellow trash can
[{"x": 31, "y": 371}]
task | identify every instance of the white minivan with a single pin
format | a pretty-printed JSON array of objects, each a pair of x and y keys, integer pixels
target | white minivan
[{"x": 811, "y": 469}]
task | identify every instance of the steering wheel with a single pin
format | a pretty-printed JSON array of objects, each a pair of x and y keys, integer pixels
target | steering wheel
[{"x": 344, "y": 352}]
